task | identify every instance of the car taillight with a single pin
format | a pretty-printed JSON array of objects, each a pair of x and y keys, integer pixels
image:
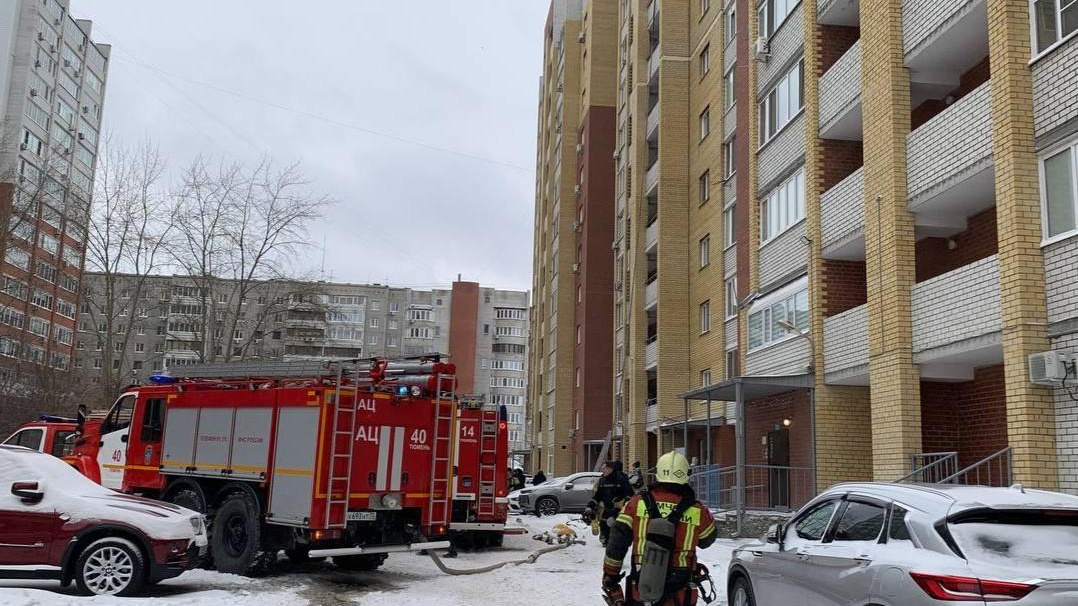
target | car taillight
[{"x": 967, "y": 589}]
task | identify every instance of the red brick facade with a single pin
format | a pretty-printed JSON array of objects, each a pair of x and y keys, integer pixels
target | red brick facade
[
  {"x": 845, "y": 286},
  {"x": 970, "y": 418},
  {"x": 936, "y": 257},
  {"x": 834, "y": 41},
  {"x": 840, "y": 160}
]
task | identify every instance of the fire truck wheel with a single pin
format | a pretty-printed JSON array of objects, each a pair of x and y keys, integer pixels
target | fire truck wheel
[
  {"x": 236, "y": 534},
  {"x": 360, "y": 563},
  {"x": 188, "y": 497}
]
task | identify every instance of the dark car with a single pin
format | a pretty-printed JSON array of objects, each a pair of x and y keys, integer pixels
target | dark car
[{"x": 55, "y": 523}]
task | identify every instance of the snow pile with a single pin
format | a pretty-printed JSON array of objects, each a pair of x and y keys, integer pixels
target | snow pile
[{"x": 69, "y": 492}]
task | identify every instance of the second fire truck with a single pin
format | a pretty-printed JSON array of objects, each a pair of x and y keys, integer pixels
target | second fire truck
[{"x": 347, "y": 459}]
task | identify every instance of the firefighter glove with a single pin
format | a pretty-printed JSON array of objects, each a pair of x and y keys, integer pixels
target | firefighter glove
[{"x": 588, "y": 515}]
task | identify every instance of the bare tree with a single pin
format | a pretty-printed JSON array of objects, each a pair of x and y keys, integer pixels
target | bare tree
[
  {"x": 133, "y": 218},
  {"x": 238, "y": 230}
]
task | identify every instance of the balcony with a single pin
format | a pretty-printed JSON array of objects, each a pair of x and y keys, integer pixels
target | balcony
[
  {"x": 957, "y": 322},
  {"x": 843, "y": 210},
  {"x": 653, "y": 15},
  {"x": 942, "y": 40},
  {"x": 651, "y": 354},
  {"x": 651, "y": 236},
  {"x": 729, "y": 56},
  {"x": 651, "y": 293},
  {"x": 839, "y": 12},
  {"x": 729, "y": 122},
  {"x": 652, "y": 413},
  {"x": 653, "y": 124},
  {"x": 651, "y": 179},
  {"x": 653, "y": 68},
  {"x": 840, "y": 98},
  {"x": 845, "y": 347},
  {"x": 729, "y": 190},
  {"x": 619, "y": 336},
  {"x": 949, "y": 177}
]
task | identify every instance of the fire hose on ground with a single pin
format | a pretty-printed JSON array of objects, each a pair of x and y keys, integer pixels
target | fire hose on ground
[{"x": 492, "y": 567}]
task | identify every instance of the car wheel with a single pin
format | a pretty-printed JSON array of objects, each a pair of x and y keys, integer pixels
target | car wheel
[
  {"x": 236, "y": 534},
  {"x": 741, "y": 593},
  {"x": 110, "y": 566},
  {"x": 546, "y": 506},
  {"x": 360, "y": 563}
]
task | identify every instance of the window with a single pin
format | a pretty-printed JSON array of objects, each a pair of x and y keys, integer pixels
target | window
[
  {"x": 69, "y": 283},
  {"x": 728, "y": 164},
  {"x": 38, "y": 326},
  {"x": 38, "y": 115},
  {"x": 731, "y": 298},
  {"x": 32, "y": 143},
  {"x": 729, "y": 233},
  {"x": 46, "y": 271},
  {"x": 18, "y": 257},
  {"x": 420, "y": 333},
  {"x": 704, "y": 6},
  {"x": 766, "y": 324},
  {"x": 66, "y": 112},
  {"x": 705, "y": 377},
  {"x": 507, "y": 365},
  {"x": 579, "y": 334},
  {"x": 394, "y": 307},
  {"x": 1055, "y": 20},
  {"x": 72, "y": 257},
  {"x": 393, "y": 324},
  {"x": 728, "y": 91},
  {"x": 860, "y": 522},
  {"x": 419, "y": 314},
  {"x": 1059, "y": 192},
  {"x": 12, "y": 317},
  {"x": 812, "y": 525},
  {"x": 16, "y": 288},
  {"x": 783, "y": 207},
  {"x": 22, "y": 229},
  {"x": 705, "y": 61},
  {"x": 27, "y": 438},
  {"x": 514, "y": 382},
  {"x": 372, "y": 340},
  {"x": 375, "y": 322},
  {"x": 782, "y": 104},
  {"x": 153, "y": 420},
  {"x": 508, "y": 313},
  {"x": 334, "y": 299},
  {"x": 93, "y": 82},
  {"x": 391, "y": 341},
  {"x": 508, "y": 331},
  {"x": 705, "y": 186},
  {"x": 705, "y": 123},
  {"x": 773, "y": 14},
  {"x": 578, "y": 378},
  {"x": 730, "y": 25},
  {"x": 376, "y": 304},
  {"x": 509, "y": 348},
  {"x": 897, "y": 529},
  {"x": 42, "y": 299},
  {"x": 733, "y": 364},
  {"x": 705, "y": 251},
  {"x": 64, "y": 336},
  {"x": 705, "y": 317}
]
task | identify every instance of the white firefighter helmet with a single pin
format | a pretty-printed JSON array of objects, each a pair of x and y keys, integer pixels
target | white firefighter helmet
[{"x": 673, "y": 468}]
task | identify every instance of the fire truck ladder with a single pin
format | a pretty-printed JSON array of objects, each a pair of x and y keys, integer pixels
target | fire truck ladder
[
  {"x": 342, "y": 440},
  {"x": 488, "y": 462},
  {"x": 441, "y": 454}
]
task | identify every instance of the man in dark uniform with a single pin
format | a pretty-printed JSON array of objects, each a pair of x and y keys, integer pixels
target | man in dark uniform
[{"x": 611, "y": 492}]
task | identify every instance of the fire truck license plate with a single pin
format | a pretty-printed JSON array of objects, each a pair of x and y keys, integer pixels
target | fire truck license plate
[{"x": 362, "y": 516}]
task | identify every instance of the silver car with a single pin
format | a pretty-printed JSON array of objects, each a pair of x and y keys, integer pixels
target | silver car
[
  {"x": 562, "y": 495},
  {"x": 914, "y": 545}
]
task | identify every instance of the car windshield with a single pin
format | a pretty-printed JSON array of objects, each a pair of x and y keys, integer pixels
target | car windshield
[{"x": 1044, "y": 542}]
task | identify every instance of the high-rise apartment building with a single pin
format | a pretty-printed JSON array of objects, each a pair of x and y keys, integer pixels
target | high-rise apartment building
[
  {"x": 859, "y": 216},
  {"x": 574, "y": 275},
  {"x": 52, "y": 86},
  {"x": 161, "y": 323}
]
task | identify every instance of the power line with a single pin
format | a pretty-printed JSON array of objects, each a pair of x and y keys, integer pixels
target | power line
[{"x": 332, "y": 121}]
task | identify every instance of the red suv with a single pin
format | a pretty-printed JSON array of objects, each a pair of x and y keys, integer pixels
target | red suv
[{"x": 56, "y": 523}]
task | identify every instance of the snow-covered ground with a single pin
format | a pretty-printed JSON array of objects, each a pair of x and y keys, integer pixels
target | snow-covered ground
[{"x": 570, "y": 577}]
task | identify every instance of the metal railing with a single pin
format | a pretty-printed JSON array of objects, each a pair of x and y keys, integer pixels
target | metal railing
[
  {"x": 995, "y": 470},
  {"x": 767, "y": 487},
  {"x": 931, "y": 467}
]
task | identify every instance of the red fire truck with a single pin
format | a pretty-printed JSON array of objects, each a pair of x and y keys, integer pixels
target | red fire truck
[{"x": 347, "y": 459}]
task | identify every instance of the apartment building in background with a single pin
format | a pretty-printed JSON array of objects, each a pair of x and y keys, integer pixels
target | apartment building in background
[
  {"x": 574, "y": 276},
  {"x": 52, "y": 86},
  {"x": 859, "y": 217},
  {"x": 158, "y": 324}
]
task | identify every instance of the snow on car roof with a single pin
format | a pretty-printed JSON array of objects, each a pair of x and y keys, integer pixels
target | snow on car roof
[{"x": 943, "y": 499}]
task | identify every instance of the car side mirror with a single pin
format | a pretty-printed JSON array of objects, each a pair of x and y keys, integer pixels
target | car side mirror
[
  {"x": 28, "y": 492},
  {"x": 774, "y": 534},
  {"x": 569, "y": 486},
  {"x": 123, "y": 438}
]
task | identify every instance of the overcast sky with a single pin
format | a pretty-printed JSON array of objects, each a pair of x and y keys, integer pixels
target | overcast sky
[{"x": 204, "y": 77}]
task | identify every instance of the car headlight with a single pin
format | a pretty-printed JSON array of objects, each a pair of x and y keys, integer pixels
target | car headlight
[
  {"x": 197, "y": 525},
  {"x": 391, "y": 501}
]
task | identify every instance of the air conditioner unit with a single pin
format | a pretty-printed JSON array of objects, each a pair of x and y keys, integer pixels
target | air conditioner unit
[
  {"x": 40, "y": 36},
  {"x": 579, "y": 147},
  {"x": 33, "y": 92},
  {"x": 67, "y": 63},
  {"x": 81, "y": 136},
  {"x": 582, "y": 37},
  {"x": 576, "y": 188},
  {"x": 576, "y": 226},
  {"x": 762, "y": 49},
  {"x": 37, "y": 63},
  {"x": 57, "y": 21},
  {"x": 617, "y": 285},
  {"x": 559, "y": 89},
  {"x": 1051, "y": 368},
  {"x": 77, "y": 73},
  {"x": 52, "y": 48},
  {"x": 576, "y": 268},
  {"x": 67, "y": 151},
  {"x": 617, "y": 154},
  {"x": 24, "y": 146},
  {"x": 85, "y": 109}
]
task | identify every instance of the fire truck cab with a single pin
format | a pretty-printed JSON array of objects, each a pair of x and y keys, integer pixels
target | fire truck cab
[
  {"x": 49, "y": 434},
  {"x": 320, "y": 459}
]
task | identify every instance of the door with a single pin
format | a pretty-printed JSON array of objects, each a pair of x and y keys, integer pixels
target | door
[
  {"x": 778, "y": 461},
  {"x": 781, "y": 572},
  {"x": 141, "y": 470},
  {"x": 112, "y": 451},
  {"x": 577, "y": 497},
  {"x": 26, "y": 529},
  {"x": 840, "y": 567}
]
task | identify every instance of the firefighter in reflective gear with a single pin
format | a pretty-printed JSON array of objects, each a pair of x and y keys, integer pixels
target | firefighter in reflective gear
[{"x": 663, "y": 526}]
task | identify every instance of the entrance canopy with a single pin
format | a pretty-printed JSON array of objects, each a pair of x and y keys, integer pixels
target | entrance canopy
[{"x": 751, "y": 387}]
